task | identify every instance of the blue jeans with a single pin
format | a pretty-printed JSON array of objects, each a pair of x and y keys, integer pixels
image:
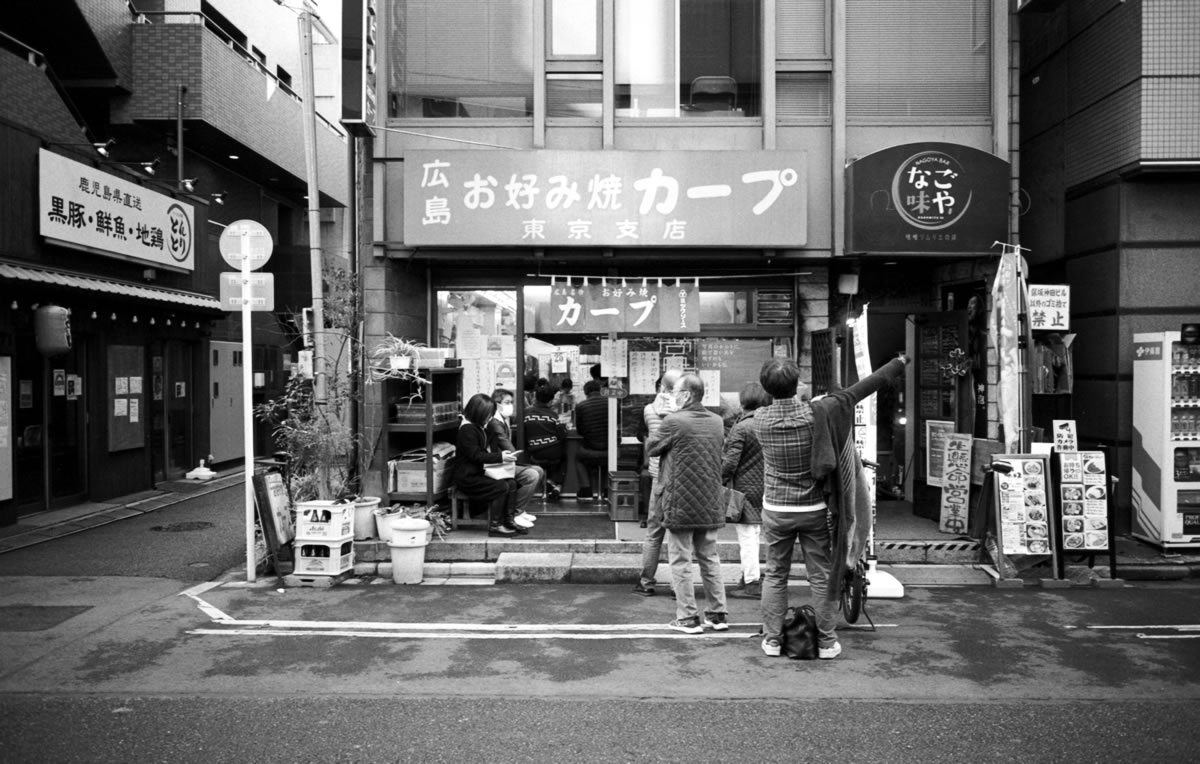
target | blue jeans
[
  {"x": 780, "y": 532},
  {"x": 682, "y": 546},
  {"x": 529, "y": 477},
  {"x": 652, "y": 545}
]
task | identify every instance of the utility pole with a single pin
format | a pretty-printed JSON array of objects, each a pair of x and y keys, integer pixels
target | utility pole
[{"x": 316, "y": 261}]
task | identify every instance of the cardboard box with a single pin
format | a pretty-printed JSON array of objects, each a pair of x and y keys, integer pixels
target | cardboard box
[
  {"x": 326, "y": 557},
  {"x": 324, "y": 520},
  {"x": 406, "y": 474}
]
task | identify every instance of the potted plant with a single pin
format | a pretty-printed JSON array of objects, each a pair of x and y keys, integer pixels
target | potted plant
[
  {"x": 393, "y": 358},
  {"x": 439, "y": 521}
]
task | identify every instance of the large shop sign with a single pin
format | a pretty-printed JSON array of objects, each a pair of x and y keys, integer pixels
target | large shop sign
[
  {"x": 605, "y": 198},
  {"x": 924, "y": 198},
  {"x": 85, "y": 208},
  {"x": 618, "y": 305}
]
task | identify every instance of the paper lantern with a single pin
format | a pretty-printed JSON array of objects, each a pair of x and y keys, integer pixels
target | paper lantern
[{"x": 52, "y": 330}]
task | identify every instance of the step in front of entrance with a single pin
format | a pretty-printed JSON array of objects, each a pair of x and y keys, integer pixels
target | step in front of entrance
[{"x": 476, "y": 546}]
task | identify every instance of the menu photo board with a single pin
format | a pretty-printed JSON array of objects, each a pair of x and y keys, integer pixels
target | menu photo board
[
  {"x": 1083, "y": 489},
  {"x": 1022, "y": 504}
]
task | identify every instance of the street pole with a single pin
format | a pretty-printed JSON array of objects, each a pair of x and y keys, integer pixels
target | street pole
[{"x": 316, "y": 261}]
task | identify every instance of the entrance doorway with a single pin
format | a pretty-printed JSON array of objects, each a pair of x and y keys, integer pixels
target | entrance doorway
[
  {"x": 49, "y": 425},
  {"x": 173, "y": 392}
]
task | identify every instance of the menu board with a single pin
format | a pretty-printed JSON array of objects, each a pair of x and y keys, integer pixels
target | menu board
[
  {"x": 736, "y": 361},
  {"x": 1023, "y": 506},
  {"x": 1083, "y": 490}
]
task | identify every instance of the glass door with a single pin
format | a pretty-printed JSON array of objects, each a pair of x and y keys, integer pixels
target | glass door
[{"x": 66, "y": 418}]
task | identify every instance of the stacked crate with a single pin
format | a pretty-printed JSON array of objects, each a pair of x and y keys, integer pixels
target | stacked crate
[
  {"x": 623, "y": 496},
  {"x": 324, "y": 538}
]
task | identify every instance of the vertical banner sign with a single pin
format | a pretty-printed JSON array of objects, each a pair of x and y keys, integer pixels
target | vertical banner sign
[
  {"x": 679, "y": 308},
  {"x": 956, "y": 484},
  {"x": 1065, "y": 438},
  {"x": 1004, "y": 330},
  {"x": 6, "y": 429},
  {"x": 865, "y": 431}
]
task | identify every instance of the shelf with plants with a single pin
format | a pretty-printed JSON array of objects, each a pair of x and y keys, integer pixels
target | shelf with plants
[{"x": 423, "y": 409}]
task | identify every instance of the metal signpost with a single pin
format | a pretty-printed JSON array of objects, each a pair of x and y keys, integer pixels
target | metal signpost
[{"x": 246, "y": 245}]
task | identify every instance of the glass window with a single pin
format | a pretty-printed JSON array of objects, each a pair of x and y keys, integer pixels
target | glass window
[
  {"x": 574, "y": 95},
  {"x": 460, "y": 58},
  {"x": 918, "y": 58},
  {"x": 802, "y": 94},
  {"x": 724, "y": 307},
  {"x": 481, "y": 326},
  {"x": 574, "y": 29},
  {"x": 689, "y": 58}
]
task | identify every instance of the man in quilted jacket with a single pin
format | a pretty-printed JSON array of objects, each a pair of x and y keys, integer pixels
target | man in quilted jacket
[{"x": 688, "y": 498}]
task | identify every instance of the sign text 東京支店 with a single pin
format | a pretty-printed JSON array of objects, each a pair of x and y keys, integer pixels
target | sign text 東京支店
[
  {"x": 605, "y": 198},
  {"x": 86, "y": 208}
]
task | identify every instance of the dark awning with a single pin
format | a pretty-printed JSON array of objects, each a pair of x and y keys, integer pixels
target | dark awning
[{"x": 107, "y": 286}]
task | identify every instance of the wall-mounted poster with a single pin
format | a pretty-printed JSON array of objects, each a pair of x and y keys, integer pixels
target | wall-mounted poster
[{"x": 936, "y": 432}]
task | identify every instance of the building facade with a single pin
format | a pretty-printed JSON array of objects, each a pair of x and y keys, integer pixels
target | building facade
[
  {"x": 711, "y": 181},
  {"x": 130, "y": 137},
  {"x": 1110, "y": 168}
]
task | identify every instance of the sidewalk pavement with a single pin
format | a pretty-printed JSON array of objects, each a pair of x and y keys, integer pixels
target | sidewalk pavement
[{"x": 469, "y": 555}]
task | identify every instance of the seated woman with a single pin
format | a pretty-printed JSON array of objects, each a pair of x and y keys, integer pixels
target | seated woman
[{"x": 475, "y": 449}]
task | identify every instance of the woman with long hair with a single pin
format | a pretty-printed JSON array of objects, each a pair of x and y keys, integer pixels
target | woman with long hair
[{"x": 476, "y": 449}]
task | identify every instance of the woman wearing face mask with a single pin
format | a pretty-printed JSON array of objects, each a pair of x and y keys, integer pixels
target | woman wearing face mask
[{"x": 529, "y": 476}]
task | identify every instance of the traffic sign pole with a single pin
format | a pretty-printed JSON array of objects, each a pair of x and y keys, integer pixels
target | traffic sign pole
[{"x": 247, "y": 409}]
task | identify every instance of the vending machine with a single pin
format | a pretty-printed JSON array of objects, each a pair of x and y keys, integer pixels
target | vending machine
[{"x": 1166, "y": 440}]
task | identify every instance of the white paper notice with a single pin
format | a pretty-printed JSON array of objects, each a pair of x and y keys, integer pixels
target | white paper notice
[
  {"x": 121, "y": 386},
  {"x": 120, "y": 406},
  {"x": 643, "y": 372},
  {"x": 135, "y": 385},
  {"x": 133, "y": 410},
  {"x": 712, "y": 386}
]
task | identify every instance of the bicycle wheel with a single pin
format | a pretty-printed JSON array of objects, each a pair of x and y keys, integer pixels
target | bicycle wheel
[{"x": 854, "y": 591}]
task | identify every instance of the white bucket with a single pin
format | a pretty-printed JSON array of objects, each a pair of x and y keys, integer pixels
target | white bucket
[
  {"x": 383, "y": 523},
  {"x": 364, "y": 518},
  {"x": 410, "y": 535}
]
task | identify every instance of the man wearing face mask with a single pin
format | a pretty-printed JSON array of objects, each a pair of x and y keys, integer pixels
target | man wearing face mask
[
  {"x": 652, "y": 414},
  {"x": 528, "y": 476},
  {"x": 690, "y": 442}
]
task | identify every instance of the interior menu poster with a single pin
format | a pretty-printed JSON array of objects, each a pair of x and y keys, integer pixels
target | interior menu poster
[
  {"x": 1083, "y": 486},
  {"x": 1023, "y": 516}
]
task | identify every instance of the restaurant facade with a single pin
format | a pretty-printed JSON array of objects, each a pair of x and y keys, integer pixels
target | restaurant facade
[{"x": 565, "y": 183}]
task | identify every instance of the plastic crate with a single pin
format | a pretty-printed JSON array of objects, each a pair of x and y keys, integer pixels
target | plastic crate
[
  {"x": 622, "y": 480},
  {"x": 623, "y": 505},
  {"x": 326, "y": 557},
  {"x": 324, "y": 520}
]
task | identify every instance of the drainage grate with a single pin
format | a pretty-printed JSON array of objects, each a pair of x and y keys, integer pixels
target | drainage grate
[{"x": 191, "y": 525}]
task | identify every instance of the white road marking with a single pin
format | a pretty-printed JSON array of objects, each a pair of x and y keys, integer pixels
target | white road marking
[
  {"x": 1177, "y": 627},
  {"x": 1168, "y": 636},
  {"x": 463, "y": 634}
]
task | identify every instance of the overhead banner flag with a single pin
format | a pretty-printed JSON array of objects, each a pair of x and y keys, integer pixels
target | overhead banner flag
[{"x": 620, "y": 306}]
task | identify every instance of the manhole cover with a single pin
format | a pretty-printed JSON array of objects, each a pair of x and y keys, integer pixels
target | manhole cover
[{"x": 192, "y": 525}]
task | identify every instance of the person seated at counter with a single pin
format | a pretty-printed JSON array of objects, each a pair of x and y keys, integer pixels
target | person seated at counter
[
  {"x": 546, "y": 439},
  {"x": 591, "y": 421},
  {"x": 475, "y": 449},
  {"x": 564, "y": 399},
  {"x": 528, "y": 476}
]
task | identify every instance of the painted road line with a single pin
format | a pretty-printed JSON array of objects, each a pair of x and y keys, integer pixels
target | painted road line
[
  {"x": 460, "y": 634},
  {"x": 444, "y": 626},
  {"x": 1177, "y": 627},
  {"x": 194, "y": 593},
  {"x": 1168, "y": 636}
]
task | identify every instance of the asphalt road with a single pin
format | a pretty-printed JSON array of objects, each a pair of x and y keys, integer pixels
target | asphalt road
[{"x": 141, "y": 655}]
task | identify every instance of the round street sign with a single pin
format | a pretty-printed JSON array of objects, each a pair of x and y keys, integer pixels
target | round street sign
[{"x": 246, "y": 240}]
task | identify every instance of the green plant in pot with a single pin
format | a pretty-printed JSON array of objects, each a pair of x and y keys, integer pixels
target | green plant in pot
[{"x": 393, "y": 358}]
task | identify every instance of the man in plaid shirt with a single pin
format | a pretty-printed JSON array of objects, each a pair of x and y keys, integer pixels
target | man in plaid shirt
[{"x": 794, "y": 506}]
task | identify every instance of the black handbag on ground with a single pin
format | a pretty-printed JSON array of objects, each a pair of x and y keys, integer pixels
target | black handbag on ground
[{"x": 800, "y": 633}]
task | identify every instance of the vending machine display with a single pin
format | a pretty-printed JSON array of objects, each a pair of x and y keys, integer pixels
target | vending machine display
[{"x": 1166, "y": 448}]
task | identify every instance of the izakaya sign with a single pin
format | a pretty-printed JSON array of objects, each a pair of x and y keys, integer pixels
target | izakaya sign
[
  {"x": 605, "y": 198},
  {"x": 88, "y": 209},
  {"x": 926, "y": 198},
  {"x": 620, "y": 306}
]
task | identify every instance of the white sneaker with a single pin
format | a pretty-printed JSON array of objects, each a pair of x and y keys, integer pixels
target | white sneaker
[
  {"x": 527, "y": 516},
  {"x": 522, "y": 523},
  {"x": 772, "y": 648},
  {"x": 831, "y": 652}
]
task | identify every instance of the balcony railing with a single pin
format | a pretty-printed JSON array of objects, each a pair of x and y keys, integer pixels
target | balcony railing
[{"x": 197, "y": 18}]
